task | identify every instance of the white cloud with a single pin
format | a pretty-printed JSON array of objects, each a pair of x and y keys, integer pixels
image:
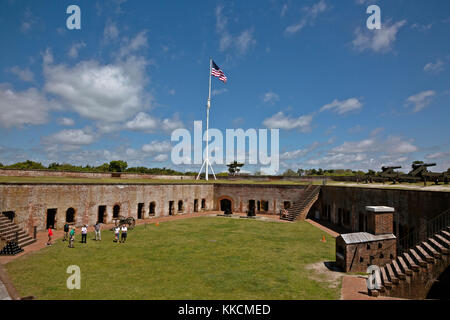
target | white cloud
[
  {"x": 245, "y": 41},
  {"x": 109, "y": 93},
  {"x": 283, "y": 10},
  {"x": 142, "y": 122},
  {"x": 436, "y": 67},
  {"x": 242, "y": 43},
  {"x": 134, "y": 44},
  {"x": 157, "y": 147},
  {"x": 18, "y": 108},
  {"x": 73, "y": 51},
  {"x": 420, "y": 100},
  {"x": 66, "y": 122},
  {"x": 355, "y": 147},
  {"x": 76, "y": 137},
  {"x": 111, "y": 32},
  {"x": 438, "y": 155},
  {"x": 271, "y": 97},
  {"x": 217, "y": 92},
  {"x": 28, "y": 21},
  {"x": 378, "y": 40},
  {"x": 295, "y": 154},
  {"x": 311, "y": 14},
  {"x": 146, "y": 123},
  {"x": 23, "y": 74},
  {"x": 280, "y": 121},
  {"x": 341, "y": 107},
  {"x": 161, "y": 158},
  {"x": 392, "y": 145}
]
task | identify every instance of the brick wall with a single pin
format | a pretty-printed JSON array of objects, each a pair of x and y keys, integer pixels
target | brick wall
[
  {"x": 240, "y": 194},
  {"x": 365, "y": 254},
  {"x": 31, "y": 201},
  {"x": 412, "y": 207}
]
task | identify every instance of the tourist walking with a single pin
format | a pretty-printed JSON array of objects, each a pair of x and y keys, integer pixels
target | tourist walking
[
  {"x": 98, "y": 235},
  {"x": 124, "y": 233},
  {"x": 71, "y": 237},
  {"x": 116, "y": 234},
  {"x": 83, "y": 234},
  {"x": 50, "y": 236},
  {"x": 66, "y": 231}
]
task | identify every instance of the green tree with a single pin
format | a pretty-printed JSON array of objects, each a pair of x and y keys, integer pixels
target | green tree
[
  {"x": 117, "y": 166},
  {"x": 290, "y": 173}
]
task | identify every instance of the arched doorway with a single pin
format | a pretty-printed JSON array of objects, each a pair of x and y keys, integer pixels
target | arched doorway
[
  {"x": 116, "y": 211},
  {"x": 226, "y": 206},
  {"x": 152, "y": 208},
  {"x": 70, "y": 215}
]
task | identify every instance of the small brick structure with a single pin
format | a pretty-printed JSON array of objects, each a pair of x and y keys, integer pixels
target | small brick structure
[{"x": 357, "y": 251}]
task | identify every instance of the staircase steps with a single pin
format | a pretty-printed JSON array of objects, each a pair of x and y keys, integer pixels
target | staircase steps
[
  {"x": 398, "y": 272},
  {"x": 384, "y": 279},
  {"x": 417, "y": 258},
  {"x": 391, "y": 275},
  {"x": 399, "y": 277},
  {"x": 404, "y": 266},
  {"x": 421, "y": 251},
  {"x": 9, "y": 232},
  {"x": 438, "y": 246},
  {"x": 411, "y": 262},
  {"x": 298, "y": 208},
  {"x": 442, "y": 240},
  {"x": 432, "y": 251},
  {"x": 446, "y": 234}
]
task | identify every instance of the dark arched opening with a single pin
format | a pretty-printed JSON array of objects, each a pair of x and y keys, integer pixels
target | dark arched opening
[
  {"x": 180, "y": 206},
  {"x": 152, "y": 208},
  {"x": 225, "y": 206},
  {"x": 116, "y": 211},
  {"x": 70, "y": 215}
]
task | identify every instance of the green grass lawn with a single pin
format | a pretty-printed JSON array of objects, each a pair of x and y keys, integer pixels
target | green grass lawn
[{"x": 198, "y": 258}]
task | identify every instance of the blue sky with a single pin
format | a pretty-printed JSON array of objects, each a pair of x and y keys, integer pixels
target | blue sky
[{"x": 343, "y": 96}]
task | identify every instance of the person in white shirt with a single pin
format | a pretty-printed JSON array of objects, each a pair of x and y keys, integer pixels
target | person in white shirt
[
  {"x": 116, "y": 234},
  {"x": 124, "y": 233},
  {"x": 84, "y": 234}
]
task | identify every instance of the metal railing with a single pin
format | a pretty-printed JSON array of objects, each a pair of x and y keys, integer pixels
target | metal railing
[
  {"x": 438, "y": 223},
  {"x": 413, "y": 238}
]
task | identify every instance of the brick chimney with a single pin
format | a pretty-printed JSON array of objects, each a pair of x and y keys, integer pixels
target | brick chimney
[{"x": 380, "y": 220}]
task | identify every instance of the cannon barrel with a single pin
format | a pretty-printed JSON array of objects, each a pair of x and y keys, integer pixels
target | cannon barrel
[
  {"x": 423, "y": 165},
  {"x": 388, "y": 168}
]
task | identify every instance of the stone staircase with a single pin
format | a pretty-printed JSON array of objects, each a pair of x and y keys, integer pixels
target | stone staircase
[
  {"x": 413, "y": 272},
  {"x": 299, "y": 209},
  {"x": 8, "y": 231}
]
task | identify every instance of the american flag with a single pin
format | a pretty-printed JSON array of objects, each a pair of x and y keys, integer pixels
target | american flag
[{"x": 216, "y": 72}]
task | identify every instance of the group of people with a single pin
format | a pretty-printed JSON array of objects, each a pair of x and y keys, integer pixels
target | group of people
[
  {"x": 117, "y": 231},
  {"x": 69, "y": 234}
]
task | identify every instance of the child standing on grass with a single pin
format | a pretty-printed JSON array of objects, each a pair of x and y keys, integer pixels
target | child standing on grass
[
  {"x": 83, "y": 234},
  {"x": 50, "y": 236},
  {"x": 71, "y": 237},
  {"x": 66, "y": 231},
  {"x": 124, "y": 233},
  {"x": 116, "y": 234}
]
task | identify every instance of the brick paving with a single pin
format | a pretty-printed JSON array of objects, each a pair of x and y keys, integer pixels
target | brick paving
[{"x": 355, "y": 288}]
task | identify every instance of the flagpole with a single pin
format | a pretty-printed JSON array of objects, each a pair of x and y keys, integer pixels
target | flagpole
[{"x": 206, "y": 163}]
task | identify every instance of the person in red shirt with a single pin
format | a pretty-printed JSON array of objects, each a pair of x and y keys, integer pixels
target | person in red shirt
[{"x": 50, "y": 235}]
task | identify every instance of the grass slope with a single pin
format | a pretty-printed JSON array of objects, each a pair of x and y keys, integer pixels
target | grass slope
[{"x": 200, "y": 258}]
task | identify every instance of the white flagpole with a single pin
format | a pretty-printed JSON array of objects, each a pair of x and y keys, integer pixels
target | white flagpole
[{"x": 206, "y": 163}]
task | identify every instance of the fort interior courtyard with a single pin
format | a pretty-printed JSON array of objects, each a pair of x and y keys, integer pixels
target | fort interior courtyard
[{"x": 222, "y": 250}]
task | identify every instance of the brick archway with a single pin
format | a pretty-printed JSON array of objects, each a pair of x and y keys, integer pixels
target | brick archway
[{"x": 225, "y": 198}]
